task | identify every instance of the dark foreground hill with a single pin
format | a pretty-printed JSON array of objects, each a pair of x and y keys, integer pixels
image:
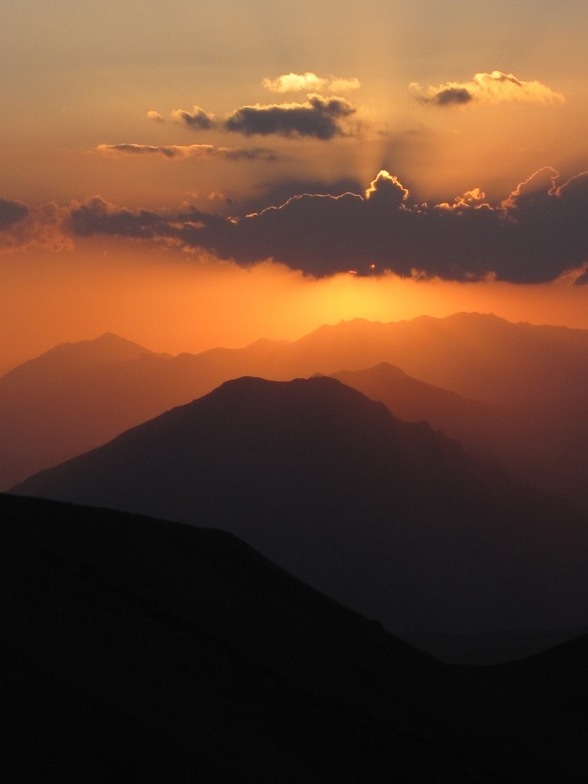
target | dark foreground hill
[
  {"x": 137, "y": 650},
  {"x": 390, "y": 518}
]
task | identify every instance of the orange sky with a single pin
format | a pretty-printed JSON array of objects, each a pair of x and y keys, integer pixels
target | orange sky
[
  {"x": 169, "y": 304},
  {"x": 137, "y": 137}
]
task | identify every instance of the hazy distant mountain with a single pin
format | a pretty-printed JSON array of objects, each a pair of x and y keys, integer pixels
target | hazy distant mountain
[
  {"x": 66, "y": 401},
  {"x": 478, "y": 356},
  {"x": 138, "y": 650},
  {"x": 81, "y": 395},
  {"x": 543, "y": 444},
  {"x": 469, "y": 421},
  {"x": 388, "y": 517}
]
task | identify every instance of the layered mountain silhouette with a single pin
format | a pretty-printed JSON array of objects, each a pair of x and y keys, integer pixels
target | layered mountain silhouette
[
  {"x": 140, "y": 650},
  {"x": 79, "y": 395},
  {"x": 543, "y": 444},
  {"x": 71, "y": 399},
  {"x": 390, "y": 518},
  {"x": 535, "y": 379},
  {"x": 479, "y": 356},
  {"x": 469, "y": 421}
]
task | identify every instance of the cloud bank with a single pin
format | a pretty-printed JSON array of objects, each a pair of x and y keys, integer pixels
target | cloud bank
[
  {"x": 486, "y": 88},
  {"x": 538, "y": 232}
]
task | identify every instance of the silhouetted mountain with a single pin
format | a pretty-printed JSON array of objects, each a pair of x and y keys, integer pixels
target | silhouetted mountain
[
  {"x": 65, "y": 402},
  {"x": 390, "y": 518},
  {"x": 468, "y": 421},
  {"x": 556, "y": 677},
  {"x": 80, "y": 395},
  {"x": 530, "y": 373},
  {"x": 482, "y": 357},
  {"x": 140, "y": 650},
  {"x": 542, "y": 444}
]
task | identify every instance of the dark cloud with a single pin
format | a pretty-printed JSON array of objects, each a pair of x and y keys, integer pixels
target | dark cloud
[
  {"x": 536, "y": 234},
  {"x": 456, "y": 96},
  {"x": 11, "y": 212},
  {"x": 318, "y": 117},
  {"x": 97, "y": 216},
  {"x": 194, "y": 151},
  {"x": 23, "y": 226},
  {"x": 387, "y": 191},
  {"x": 138, "y": 149},
  {"x": 280, "y": 191}
]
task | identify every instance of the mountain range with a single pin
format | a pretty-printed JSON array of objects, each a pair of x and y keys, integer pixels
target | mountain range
[
  {"x": 137, "y": 649},
  {"x": 513, "y": 392},
  {"x": 392, "y": 519}
]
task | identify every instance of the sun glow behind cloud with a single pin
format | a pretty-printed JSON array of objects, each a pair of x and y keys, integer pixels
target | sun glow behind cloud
[
  {"x": 274, "y": 106},
  {"x": 167, "y": 303}
]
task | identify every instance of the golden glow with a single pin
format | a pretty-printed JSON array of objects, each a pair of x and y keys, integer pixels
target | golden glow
[{"x": 174, "y": 305}]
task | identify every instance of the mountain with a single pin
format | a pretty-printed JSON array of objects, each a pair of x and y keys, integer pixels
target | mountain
[
  {"x": 137, "y": 649},
  {"x": 555, "y": 677},
  {"x": 544, "y": 444},
  {"x": 61, "y": 403},
  {"x": 81, "y": 395},
  {"x": 478, "y": 356},
  {"x": 469, "y": 421},
  {"x": 390, "y": 518}
]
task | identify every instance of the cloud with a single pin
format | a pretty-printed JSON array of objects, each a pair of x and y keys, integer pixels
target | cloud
[
  {"x": 201, "y": 152},
  {"x": 23, "y": 226},
  {"x": 318, "y": 117},
  {"x": 11, "y": 212},
  {"x": 155, "y": 116},
  {"x": 97, "y": 216},
  {"x": 197, "y": 118},
  {"x": 278, "y": 192},
  {"x": 537, "y": 233},
  {"x": 486, "y": 88},
  {"x": 387, "y": 190},
  {"x": 310, "y": 82}
]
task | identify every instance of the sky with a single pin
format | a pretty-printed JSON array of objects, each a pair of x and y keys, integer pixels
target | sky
[{"x": 188, "y": 174}]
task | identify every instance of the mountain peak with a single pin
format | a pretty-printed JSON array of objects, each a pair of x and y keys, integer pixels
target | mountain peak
[
  {"x": 388, "y": 517},
  {"x": 95, "y": 352}
]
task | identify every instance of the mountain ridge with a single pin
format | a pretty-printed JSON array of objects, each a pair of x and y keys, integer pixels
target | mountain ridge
[
  {"x": 330, "y": 486},
  {"x": 139, "y": 647},
  {"x": 533, "y": 373}
]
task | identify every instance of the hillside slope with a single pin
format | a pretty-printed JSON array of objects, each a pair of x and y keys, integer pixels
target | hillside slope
[{"x": 390, "y": 518}]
